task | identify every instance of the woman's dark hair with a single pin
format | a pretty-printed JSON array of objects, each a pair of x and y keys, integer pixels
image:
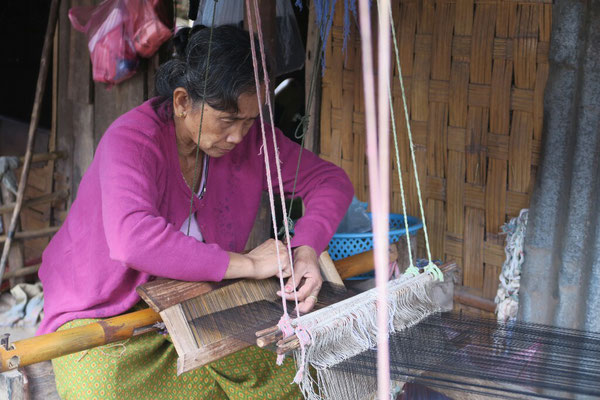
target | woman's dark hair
[{"x": 230, "y": 69}]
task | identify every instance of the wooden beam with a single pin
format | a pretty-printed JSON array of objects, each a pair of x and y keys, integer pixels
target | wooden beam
[
  {"x": 46, "y": 198},
  {"x": 34, "y": 234},
  {"x": 467, "y": 296}
]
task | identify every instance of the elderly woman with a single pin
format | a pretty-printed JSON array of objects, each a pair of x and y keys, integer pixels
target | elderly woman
[{"x": 146, "y": 208}]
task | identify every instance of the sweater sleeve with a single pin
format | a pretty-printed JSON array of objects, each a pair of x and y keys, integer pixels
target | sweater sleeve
[
  {"x": 130, "y": 164},
  {"x": 325, "y": 189}
]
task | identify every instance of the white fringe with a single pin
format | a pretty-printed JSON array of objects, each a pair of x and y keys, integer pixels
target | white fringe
[{"x": 348, "y": 328}]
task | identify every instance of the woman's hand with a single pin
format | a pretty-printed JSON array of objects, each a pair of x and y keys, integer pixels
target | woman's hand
[
  {"x": 306, "y": 267},
  {"x": 259, "y": 263}
]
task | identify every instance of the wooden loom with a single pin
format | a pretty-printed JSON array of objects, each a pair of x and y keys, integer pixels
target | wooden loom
[{"x": 208, "y": 321}]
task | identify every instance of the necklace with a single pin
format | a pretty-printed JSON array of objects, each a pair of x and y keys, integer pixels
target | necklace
[{"x": 202, "y": 189}]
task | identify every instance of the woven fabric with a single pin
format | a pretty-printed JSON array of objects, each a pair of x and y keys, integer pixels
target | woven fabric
[{"x": 144, "y": 367}]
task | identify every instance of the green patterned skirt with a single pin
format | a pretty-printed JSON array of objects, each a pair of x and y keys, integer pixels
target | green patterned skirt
[{"x": 144, "y": 367}]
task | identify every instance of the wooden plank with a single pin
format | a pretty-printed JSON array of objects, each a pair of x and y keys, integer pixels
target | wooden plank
[
  {"x": 504, "y": 14},
  {"x": 436, "y": 226},
  {"x": 161, "y": 294},
  {"x": 405, "y": 33},
  {"x": 479, "y": 95},
  {"x": 116, "y": 101},
  {"x": 455, "y": 193},
  {"x": 420, "y": 78},
  {"x": 312, "y": 76},
  {"x": 474, "y": 196},
  {"x": 464, "y": 17},
  {"x": 64, "y": 126},
  {"x": 520, "y": 149},
  {"x": 442, "y": 41},
  {"x": 493, "y": 253},
  {"x": 522, "y": 100},
  {"x": 473, "y": 248},
  {"x": 482, "y": 43},
  {"x": 437, "y": 140},
  {"x": 325, "y": 142},
  {"x": 477, "y": 125},
  {"x": 500, "y": 97},
  {"x": 458, "y": 96},
  {"x": 491, "y": 274},
  {"x": 495, "y": 195},
  {"x": 456, "y": 139},
  {"x": 515, "y": 202}
]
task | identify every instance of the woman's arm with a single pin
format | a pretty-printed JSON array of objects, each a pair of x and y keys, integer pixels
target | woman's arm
[
  {"x": 131, "y": 165},
  {"x": 325, "y": 189},
  {"x": 326, "y": 192}
]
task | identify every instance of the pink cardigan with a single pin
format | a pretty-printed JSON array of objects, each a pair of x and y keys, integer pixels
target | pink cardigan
[{"x": 123, "y": 227}]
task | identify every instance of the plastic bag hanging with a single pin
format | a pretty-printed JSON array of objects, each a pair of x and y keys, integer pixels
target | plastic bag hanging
[
  {"x": 117, "y": 32},
  {"x": 109, "y": 31}
]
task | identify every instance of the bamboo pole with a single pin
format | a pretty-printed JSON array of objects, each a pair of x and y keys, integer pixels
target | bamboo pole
[
  {"x": 68, "y": 341},
  {"x": 35, "y": 116},
  {"x": 61, "y": 343}
]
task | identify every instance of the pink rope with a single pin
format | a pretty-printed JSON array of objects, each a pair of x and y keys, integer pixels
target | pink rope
[
  {"x": 267, "y": 162},
  {"x": 284, "y": 324},
  {"x": 275, "y": 149},
  {"x": 378, "y": 159}
]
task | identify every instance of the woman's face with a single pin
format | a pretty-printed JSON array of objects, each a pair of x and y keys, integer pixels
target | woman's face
[{"x": 221, "y": 130}]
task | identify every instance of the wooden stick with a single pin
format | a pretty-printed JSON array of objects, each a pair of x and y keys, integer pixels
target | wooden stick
[
  {"x": 289, "y": 346},
  {"x": 41, "y": 157},
  {"x": 33, "y": 269},
  {"x": 46, "y": 198},
  {"x": 68, "y": 341},
  {"x": 32, "y": 234},
  {"x": 35, "y": 116}
]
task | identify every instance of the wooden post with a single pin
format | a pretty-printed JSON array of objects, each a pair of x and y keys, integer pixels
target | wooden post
[
  {"x": 312, "y": 76},
  {"x": 261, "y": 230},
  {"x": 15, "y": 255}
]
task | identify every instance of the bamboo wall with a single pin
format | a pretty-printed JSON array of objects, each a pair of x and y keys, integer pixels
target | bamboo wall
[{"x": 474, "y": 73}]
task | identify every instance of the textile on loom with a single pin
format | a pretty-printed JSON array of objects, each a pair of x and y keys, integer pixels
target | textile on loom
[
  {"x": 208, "y": 321},
  {"x": 456, "y": 353}
]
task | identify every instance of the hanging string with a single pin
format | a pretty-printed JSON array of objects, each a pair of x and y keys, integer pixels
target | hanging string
[
  {"x": 431, "y": 267},
  {"x": 275, "y": 148},
  {"x": 284, "y": 324},
  {"x": 201, "y": 120}
]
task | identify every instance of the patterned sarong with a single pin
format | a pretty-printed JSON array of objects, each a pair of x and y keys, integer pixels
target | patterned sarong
[{"x": 144, "y": 367}]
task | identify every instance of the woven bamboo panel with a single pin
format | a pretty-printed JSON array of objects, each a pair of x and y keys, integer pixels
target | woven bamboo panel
[{"x": 474, "y": 73}]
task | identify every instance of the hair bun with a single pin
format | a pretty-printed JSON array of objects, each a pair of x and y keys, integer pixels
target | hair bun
[{"x": 182, "y": 38}]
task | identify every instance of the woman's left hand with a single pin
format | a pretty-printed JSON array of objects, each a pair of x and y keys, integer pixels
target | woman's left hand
[{"x": 306, "y": 266}]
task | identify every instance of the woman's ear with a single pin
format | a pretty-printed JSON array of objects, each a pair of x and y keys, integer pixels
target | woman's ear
[{"x": 182, "y": 104}]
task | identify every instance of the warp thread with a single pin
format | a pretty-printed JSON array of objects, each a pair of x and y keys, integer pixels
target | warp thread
[{"x": 337, "y": 335}]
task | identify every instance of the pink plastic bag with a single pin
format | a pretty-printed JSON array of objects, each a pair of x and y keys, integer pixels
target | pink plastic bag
[
  {"x": 149, "y": 30},
  {"x": 117, "y": 31}
]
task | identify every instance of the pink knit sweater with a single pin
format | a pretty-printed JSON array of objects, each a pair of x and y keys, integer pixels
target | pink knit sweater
[{"x": 123, "y": 227}]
